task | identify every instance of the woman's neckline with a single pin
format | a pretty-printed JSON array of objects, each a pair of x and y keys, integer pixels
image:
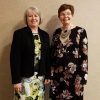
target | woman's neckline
[{"x": 70, "y": 28}]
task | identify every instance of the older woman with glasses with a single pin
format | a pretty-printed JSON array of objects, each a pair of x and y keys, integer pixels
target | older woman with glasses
[{"x": 69, "y": 58}]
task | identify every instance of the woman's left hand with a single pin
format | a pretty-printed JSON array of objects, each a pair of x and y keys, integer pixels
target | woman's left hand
[{"x": 78, "y": 88}]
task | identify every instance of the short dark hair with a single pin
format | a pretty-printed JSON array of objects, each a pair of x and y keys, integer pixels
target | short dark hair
[{"x": 64, "y": 7}]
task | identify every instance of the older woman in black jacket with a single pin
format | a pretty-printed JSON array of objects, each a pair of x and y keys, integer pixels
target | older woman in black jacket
[{"x": 29, "y": 58}]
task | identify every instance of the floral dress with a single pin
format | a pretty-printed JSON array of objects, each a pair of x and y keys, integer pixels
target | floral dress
[
  {"x": 69, "y": 62},
  {"x": 33, "y": 88}
]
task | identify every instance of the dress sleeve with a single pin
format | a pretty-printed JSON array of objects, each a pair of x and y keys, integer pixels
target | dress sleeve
[
  {"x": 52, "y": 50},
  {"x": 15, "y": 58},
  {"x": 82, "y": 71}
]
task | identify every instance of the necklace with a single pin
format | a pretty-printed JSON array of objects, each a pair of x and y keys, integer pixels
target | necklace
[{"x": 64, "y": 36}]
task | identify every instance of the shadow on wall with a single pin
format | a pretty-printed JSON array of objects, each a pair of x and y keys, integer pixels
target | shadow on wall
[
  {"x": 6, "y": 89},
  {"x": 52, "y": 24},
  {"x": 50, "y": 27}
]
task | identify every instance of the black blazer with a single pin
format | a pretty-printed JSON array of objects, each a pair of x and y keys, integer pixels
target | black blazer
[{"x": 22, "y": 54}]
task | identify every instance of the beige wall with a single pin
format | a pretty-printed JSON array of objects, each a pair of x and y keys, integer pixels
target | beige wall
[{"x": 86, "y": 15}]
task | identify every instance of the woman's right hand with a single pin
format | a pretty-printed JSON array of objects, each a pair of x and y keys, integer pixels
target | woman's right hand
[
  {"x": 18, "y": 87},
  {"x": 47, "y": 81}
]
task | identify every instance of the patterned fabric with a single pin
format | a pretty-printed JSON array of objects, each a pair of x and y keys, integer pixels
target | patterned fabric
[
  {"x": 33, "y": 89},
  {"x": 37, "y": 51},
  {"x": 69, "y": 65}
]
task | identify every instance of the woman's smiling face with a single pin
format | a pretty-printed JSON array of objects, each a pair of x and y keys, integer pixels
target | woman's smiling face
[
  {"x": 65, "y": 17},
  {"x": 33, "y": 18}
]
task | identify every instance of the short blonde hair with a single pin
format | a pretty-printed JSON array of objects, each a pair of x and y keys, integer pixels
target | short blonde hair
[{"x": 35, "y": 9}]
